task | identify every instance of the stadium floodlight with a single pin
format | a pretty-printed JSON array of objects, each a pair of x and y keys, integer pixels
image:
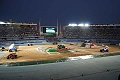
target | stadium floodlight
[
  {"x": 72, "y": 25},
  {"x": 8, "y": 23},
  {"x": 80, "y": 24},
  {"x": 2, "y": 22},
  {"x": 53, "y": 28},
  {"x": 86, "y": 25},
  {"x": 69, "y": 24}
]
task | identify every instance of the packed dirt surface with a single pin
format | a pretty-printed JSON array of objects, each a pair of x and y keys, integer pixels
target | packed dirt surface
[{"x": 37, "y": 52}]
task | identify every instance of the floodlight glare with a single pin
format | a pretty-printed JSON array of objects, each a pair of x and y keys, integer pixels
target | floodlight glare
[
  {"x": 72, "y": 25},
  {"x": 69, "y": 25},
  {"x": 86, "y": 25},
  {"x": 2, "y": 22},
  {"x": 80, "y": 24},
  {"x": 8, "y": 23}
]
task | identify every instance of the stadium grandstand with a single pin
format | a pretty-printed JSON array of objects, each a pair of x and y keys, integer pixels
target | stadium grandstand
[
  {"x": 71, "y": 33},
  {"x": 109, "y": 32},
  {"x": 12, "y": 30}
]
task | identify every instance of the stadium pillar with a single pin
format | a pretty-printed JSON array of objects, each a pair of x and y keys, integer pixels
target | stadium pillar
[
  {"x": 60, "y": 32},
  {"x": 39, "y": 28},
  {"x": 57, "y": 27}
]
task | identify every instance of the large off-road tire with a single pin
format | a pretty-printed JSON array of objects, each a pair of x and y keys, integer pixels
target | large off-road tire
[
  {"x": 107, "y": 50},
  {"x": 101, "y": 50},
  {"x": 10, "y": 50},
  {"x": 15, "y": 56},
  {"x": 7, "y": 57}
]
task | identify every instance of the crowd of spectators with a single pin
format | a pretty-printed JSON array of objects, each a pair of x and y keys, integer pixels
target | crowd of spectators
[
  {"x": 18, "y": 31},
  {"x": 95, "y": 32}
]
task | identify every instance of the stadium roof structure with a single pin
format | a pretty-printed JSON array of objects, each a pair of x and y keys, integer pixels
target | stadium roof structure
[
  {"x": 19, "y": 24},
  {"x": 86, "y": 25},
  {"x": 48, "y": 26},
  {"x": 106, "y": 25}
]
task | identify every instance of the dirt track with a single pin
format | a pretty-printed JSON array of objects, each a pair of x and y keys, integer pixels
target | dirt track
[{"x": 30, "y": 53}]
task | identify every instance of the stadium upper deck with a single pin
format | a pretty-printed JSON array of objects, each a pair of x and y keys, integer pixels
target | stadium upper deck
[
  {"x": 111, "y": 31},
  {"x": 8, "y": 29},
  {"x": 81, "y": 31}
]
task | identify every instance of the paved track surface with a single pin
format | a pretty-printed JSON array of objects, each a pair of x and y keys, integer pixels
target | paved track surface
[{"x": 105, "y": 68}]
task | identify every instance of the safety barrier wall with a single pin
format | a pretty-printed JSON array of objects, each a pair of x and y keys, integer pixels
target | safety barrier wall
[
  {"x": 62, "y": 40},
  {"x": 93, "y": 40}
]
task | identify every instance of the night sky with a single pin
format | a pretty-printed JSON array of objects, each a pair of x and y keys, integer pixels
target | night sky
[{"x": 67, "y": 11}]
